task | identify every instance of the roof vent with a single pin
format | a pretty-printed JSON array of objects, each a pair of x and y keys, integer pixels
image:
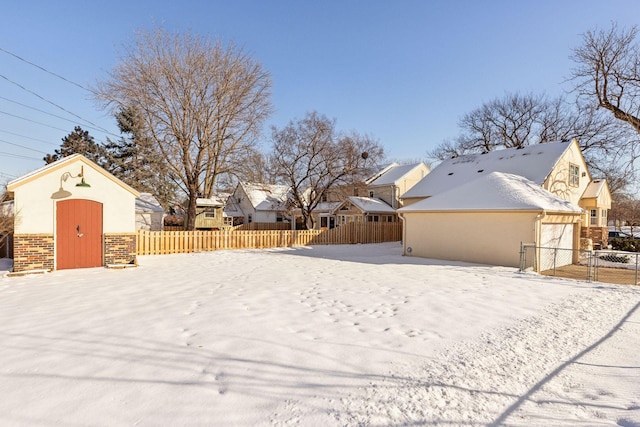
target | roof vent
[
  {"x": 481, "y": 170},
  {"x": 450, "y": 173},
  {"x": 525, "y": 154}
]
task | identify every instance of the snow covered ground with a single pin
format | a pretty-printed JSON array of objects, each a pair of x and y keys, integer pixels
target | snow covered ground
[{"x": 326, "y": 335}]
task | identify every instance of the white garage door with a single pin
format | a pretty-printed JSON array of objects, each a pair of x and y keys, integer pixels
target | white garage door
[{"x": 556, "y": 236}]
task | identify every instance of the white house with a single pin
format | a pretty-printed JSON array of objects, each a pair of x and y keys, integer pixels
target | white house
[{"x": 259, "y": 202}]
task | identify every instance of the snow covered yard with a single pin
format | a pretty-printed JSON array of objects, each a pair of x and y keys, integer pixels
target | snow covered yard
[{"x": 327, "y": 335}]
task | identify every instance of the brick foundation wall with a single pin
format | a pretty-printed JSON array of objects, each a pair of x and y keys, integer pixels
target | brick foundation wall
[
  {"x": 33, "y": 252},
  {"x": 599, "y": 235},
  {"x": 120, "y": 248}
]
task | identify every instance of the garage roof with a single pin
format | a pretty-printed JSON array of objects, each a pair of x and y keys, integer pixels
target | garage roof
[
  {"x": 534, "y": 162},
  {"x": 495, "y": 191}
]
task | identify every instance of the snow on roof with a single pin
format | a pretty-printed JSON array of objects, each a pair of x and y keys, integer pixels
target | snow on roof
[
  {"x": 148, "y": 203},
  {"x": 326, "y": 207},
  {"x": 495, "y": 191},
  {"x": 266, "y": 197},
  {"x": 380, "y": 173},
  {"x": 534, "y": 162},
  {"x": 393, "y": 173},
  {"x": 231, "y": 209},
  {"x": 211, "y": 201},
  {"x": 61, "y": 163},
  {"x": 594, "y": 188},
  {"x": 370, "y": 205}
]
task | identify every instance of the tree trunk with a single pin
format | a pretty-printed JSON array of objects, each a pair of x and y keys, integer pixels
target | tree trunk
[{"x": 190, "y": 220}]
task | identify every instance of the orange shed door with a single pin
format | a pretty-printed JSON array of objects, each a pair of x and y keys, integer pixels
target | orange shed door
[{"x": 79, "y": 234}]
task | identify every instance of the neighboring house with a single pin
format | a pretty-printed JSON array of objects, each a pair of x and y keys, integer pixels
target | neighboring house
[
  {"x": 558, "y": 168},
  {"x": 260, "y": 202},
  {"x": 210, "y": 213},
  {"x": 149, "y": 213},
  {"x": 72, "y": 214},
  {"x": 364, "y": 209},
  {"x": 395, "y": 180}
]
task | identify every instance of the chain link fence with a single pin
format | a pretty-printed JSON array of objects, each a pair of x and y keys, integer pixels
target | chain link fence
[{"x": 607, "y": 266}]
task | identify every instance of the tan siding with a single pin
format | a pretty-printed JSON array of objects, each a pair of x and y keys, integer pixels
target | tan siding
[{"x": 486, "y": 238}]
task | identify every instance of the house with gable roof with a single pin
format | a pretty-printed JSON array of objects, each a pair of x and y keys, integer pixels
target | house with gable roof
[
  {"x": 255, "y": 202},
  {"x": 376, "y": 200},
  {"x": 394, "y": 181},
  {"x": 489, "y": 229}
]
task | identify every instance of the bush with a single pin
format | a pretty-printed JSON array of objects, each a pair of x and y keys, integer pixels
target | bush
[{"x": 627, "y": 245}]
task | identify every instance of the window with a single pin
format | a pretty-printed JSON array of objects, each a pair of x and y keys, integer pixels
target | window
[
  {"x": 603, "y": 217},
  {"x": 594, "y": 217},
  {"x": 209, "y": 212},
  {"x": 370, "y": 193},
  {"x": 279, "y": 217},
  {"x": 249, "y": 218},
  {"x": 574, "y": 175}
]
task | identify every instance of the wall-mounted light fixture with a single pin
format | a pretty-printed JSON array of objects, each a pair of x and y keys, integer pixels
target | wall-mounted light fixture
[{"x": 62, "y": 193}]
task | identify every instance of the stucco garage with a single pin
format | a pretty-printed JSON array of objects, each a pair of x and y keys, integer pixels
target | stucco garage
[{"x": 486, "y": 221}]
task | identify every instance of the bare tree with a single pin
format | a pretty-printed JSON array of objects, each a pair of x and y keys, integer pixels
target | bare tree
[
  {"x": 608, "y": 72},
  {"x": 519, "y": 120},
  {"x": 201, "y": 103},
  {"x": 311, "y": 157},
  {"x": 607, "y": 77}
]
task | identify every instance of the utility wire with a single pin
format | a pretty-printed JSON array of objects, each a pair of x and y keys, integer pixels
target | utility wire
[
  {"x": 47, "y": 71},
  {"x": 28, "y": 137},
  {"x": 22, "y": 146},
  {"x": 54, "y": 115},
  {"x": 19, "y": 156},
  {"x": 33, "y": 121},
  {"x": 54, "y": 104}
]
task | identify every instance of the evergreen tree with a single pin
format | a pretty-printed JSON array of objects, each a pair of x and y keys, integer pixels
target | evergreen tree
[
  {"x": 132, "y": 159},
  {"x": 79, "y": 141}
]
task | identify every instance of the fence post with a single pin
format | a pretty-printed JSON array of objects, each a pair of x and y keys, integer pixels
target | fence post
[
  {"x": 636, "y": 269},
  {"x": 555, "y": 259}
]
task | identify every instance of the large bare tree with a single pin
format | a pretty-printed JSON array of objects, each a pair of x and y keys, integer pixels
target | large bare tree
[
  {"x": 517, "y": 120},
  {"x": 607, "y": 76},
  {"x": 201, "y": 102},
  {"x": 312, "y": 157}
]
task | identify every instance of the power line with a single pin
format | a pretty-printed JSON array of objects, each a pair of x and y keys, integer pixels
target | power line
[
  {"x": 47, "y": 71},
  {"x": 33, "y": 121},
  {"x": 22, "y": 146},
  {"x": 19, "y": 156},
  {"x": 54, "y": 104},
  {"x": 28, "y": 137},
  {"x": 54, "y": 115}
]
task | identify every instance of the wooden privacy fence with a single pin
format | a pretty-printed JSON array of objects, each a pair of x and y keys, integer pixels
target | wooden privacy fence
[{"x": 172, "y": 242}]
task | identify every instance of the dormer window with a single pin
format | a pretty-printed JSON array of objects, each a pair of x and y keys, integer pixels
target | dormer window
[{"x": 574, "y": 175}]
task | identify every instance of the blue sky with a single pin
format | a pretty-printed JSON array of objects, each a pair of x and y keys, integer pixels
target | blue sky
[{"x": 402, "y": 71}]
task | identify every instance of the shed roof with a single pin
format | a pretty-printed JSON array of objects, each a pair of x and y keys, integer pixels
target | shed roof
[
  {"x": 495, "y": 191},
  {"x": 59, "y": 164},
  {"x": 534, "y": 162}
]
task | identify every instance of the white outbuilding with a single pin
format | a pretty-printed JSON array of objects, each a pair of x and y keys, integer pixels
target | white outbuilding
[{"x": 72, "y": 214}]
